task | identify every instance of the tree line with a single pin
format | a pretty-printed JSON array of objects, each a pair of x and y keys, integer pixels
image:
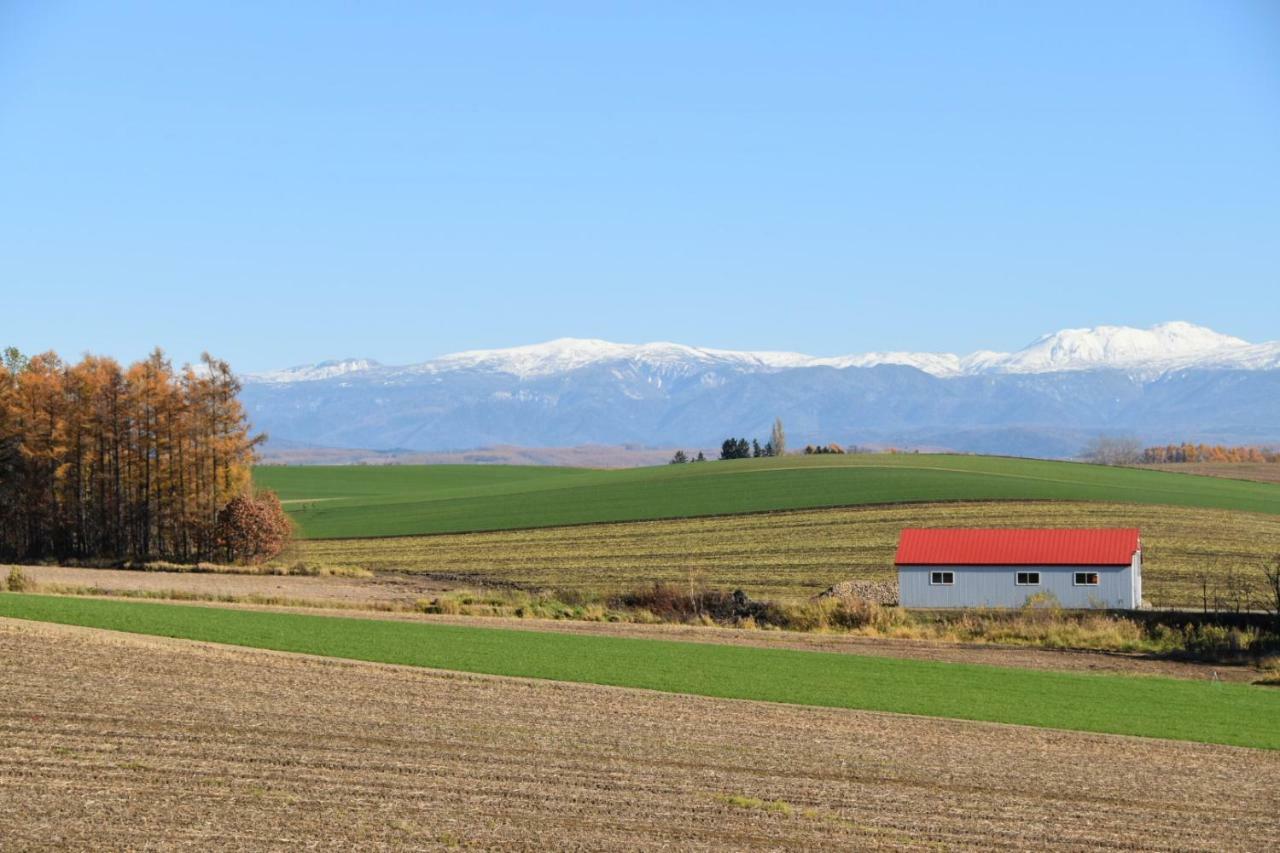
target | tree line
[
  {"x": 1187, "y": 452},
  {"x": 740, "y": 448},
  {"x": 1125, "y": 450},
  {"x": 139, "y": 463}
]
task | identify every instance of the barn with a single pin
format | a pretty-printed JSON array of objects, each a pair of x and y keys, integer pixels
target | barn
[{"x": 966, "y": 567}]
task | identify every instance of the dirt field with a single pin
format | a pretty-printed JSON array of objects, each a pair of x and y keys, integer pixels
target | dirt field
[
  {"x": 367, "y": 595},
  {"x": 798, "y": 554},
  {"x": 1263, "y": 472},
  {"x": 401, "y": 590},
  {"x": 114, "y": 741}
]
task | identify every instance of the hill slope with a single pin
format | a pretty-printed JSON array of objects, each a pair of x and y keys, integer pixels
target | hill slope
[{"x": 342, "y": 502}]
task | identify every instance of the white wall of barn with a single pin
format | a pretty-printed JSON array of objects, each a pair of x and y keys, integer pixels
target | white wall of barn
[{"x": 1119, "y": 587}]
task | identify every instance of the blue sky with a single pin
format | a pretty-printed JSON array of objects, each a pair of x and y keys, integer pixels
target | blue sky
[{"x": 283, "y": 182}]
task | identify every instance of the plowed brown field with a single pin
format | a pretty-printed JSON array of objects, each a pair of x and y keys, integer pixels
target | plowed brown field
[{"x": 114, "y": 741}]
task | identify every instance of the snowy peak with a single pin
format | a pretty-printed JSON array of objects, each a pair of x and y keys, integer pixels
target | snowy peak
[
  {"x": 1117, "y": 347},
  {"x": 315, "y": 372},
  {"x": 1140, "y": 352},
  {"x": 563, "y": 355}
]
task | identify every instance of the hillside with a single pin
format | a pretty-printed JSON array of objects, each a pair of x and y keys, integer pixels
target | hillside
[{"x": 359, "y": 501}]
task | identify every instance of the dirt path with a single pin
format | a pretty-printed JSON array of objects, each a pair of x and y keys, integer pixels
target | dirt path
[
  {"x": 114, "y": 741},
  {"x": 403, "y": 590},
  {"x": 342, "y": 591}
]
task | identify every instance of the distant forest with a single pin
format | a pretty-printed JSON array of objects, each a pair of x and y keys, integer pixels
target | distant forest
[
  {"x": 137, "y": 463},
  {"x": 1186, "y": 452}
]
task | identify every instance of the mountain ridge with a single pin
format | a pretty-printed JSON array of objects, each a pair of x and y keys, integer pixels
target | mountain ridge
[
  {"x": 1173, "y": 382},
  {"x": 1165, "y": 346}
]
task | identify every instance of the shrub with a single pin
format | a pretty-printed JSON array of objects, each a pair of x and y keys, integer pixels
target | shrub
[
  {"x": 17, "y": 580},
  {"x": 253, "y": 528}
]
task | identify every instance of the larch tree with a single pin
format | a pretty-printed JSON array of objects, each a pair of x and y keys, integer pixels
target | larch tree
[{"x": 132, "y": 464}]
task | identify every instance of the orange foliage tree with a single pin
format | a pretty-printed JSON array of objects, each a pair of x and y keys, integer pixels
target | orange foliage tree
[
  {"x": 1188, "y": 452},
  {"x": 253, "y": 527},
  {"x": 97, "y": 460}
]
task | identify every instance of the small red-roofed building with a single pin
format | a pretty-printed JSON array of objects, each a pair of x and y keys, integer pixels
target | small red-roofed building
[{"x": 1097, "y": 568}]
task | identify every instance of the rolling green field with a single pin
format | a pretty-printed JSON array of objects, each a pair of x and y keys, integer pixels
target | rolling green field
[
  {"x": 367, "y": 501},
  {"x": 1240, "y": 715}
]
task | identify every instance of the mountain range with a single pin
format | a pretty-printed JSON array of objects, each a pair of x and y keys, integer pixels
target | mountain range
[{"x": 1172, "y": 382}]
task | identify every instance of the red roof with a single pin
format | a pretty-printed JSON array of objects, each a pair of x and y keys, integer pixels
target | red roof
[{"x": 1017, "y": 547}]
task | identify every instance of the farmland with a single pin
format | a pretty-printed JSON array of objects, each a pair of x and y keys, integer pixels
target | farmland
[
  {"x": 115, "y": 740},
  {"x": 369, "y": 501},
  {"x": 1262, "y": 472},
  {"x": 797, "y": 554},
  {"x": 1234, "y": 714}
]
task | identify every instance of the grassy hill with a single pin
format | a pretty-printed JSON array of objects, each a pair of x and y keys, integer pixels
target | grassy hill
[{"x": 360, "y": 501}]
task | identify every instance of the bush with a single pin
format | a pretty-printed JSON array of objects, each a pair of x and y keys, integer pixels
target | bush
[
  {"x": 253, "y": 528},
  {"x": 17, "y": 580}
]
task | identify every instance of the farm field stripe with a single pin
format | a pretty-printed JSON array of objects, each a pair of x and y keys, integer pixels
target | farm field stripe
[
  {"x": 337, "y": 503},
  {"x": 1239, "y": 715}
]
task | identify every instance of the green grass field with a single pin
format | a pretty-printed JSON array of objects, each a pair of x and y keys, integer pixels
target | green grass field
[
  {"x": 364, "y": 501},
  {"x": 1240, "y": 715}
]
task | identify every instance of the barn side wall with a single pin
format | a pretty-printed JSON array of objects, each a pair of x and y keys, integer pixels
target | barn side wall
[{"x": 994, "y": 586}]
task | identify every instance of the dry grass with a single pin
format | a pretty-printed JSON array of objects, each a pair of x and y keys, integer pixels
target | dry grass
[
  {"x": 120, "y": 742},
  {"x": 795, "y": 555},
  {"x": 1036, "y": 626},
  {"x": 275, "y": 568}
]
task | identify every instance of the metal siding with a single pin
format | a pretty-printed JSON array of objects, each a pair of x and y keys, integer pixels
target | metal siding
[{"x": 993, "y": 586}]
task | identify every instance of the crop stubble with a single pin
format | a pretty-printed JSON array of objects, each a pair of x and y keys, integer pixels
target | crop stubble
[
  {"x": 120, "y": 741},
  {"x": 796, "y": 554}
]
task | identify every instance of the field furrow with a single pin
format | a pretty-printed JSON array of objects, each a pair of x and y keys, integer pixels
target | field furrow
[
  {"x": 796, "y": 554},
  {"x": 115, "y": 741}
]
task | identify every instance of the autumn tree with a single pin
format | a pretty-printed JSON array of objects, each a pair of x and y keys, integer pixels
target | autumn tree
[
  {"x": 101, "y": 461},
  {"x": 253, "y": 528}
]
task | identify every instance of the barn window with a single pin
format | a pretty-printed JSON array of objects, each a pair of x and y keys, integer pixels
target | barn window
[
  {"x": 942, "y": 578},
  {"x": 1027, "y": 579},
  {"x": 1086, "y": 578}
]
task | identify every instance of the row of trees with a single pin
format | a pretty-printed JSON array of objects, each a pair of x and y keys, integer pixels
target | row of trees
[
  {"x": 811, "y": 449},
  {"x": 740, "y": 448},
  {"x": 1187, "y": 452},
  {"x": 144, "y": 462},
  {"x": 1124, "y": 450}
]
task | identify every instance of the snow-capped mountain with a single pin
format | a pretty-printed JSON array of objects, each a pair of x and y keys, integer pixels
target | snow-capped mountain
[
  {"x": 315, "y": 372},
  {"x": 1173, "y": 381},
  {"x": 1176, "y": 345}
]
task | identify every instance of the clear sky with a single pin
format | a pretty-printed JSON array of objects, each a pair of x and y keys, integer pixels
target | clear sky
[{"x": 282, "y": 182}]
